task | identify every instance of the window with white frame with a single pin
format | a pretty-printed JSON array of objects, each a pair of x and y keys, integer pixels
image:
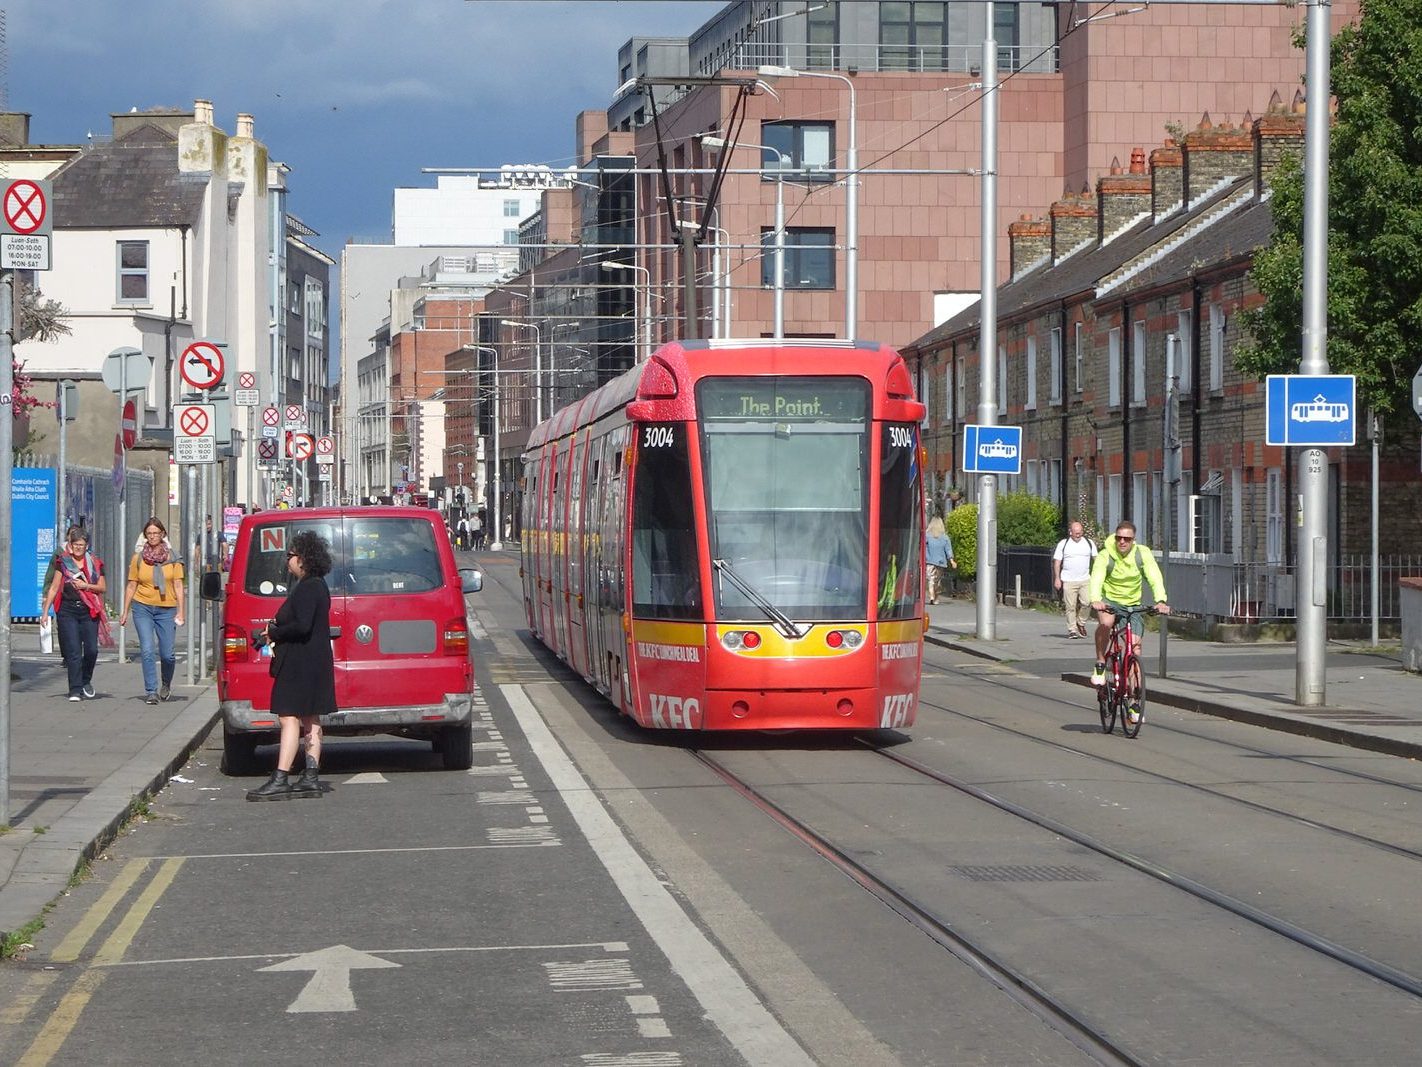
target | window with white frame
[
  {"x": 510, "y": 237},
  {"x": 962, "y": 389},
  {"x": 511, "y": 209},
  {"x": 926, "y": 395},
  {"x": 1002, "y": 381},
  {"x": 1140, "y": 515},
  {"x": 1138, "y": 364},
  {"x": 1054, "y": 487},
  {"x": 1055, "y": 356},
  {"x": 1031, "y": 403},
  {"x": 1034, "y": 478},
  {"x": 948, "y": 394},
  {"x": 293, "y": 297},
  {"x": 315, "y": 308},
  {"x": 1184, "y": 335},
  {"x": 1217, "y": 329},
  {"x": 1080, "y": 356},
  {"x": 293, "y": 364},
  {"x": 132, "y": 285},
  {"x": 1113, "y": 368},
  {"x": 1114, "y": 501},
  {"x": 1274, "y": 515}
]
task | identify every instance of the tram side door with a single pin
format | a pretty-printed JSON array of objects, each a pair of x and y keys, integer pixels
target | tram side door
[
  {"x": 547, "y": 534},
  {"x": 573, "y": 555},
  {"x": 612, "y": 579}
]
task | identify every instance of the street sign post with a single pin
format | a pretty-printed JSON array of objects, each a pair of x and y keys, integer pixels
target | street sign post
[
  {"x": 1310, "y": 410},
  {"x": 26, "y": 224},
  {"x": 992, "y": 449},
  {"x": 126, "y": 370}
]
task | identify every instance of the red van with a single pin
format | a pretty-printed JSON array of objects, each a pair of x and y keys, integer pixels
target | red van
[{"x": 399, "y": 629}]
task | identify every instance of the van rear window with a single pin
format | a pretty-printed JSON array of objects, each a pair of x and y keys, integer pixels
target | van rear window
[
  {"x": 390, "y": 556},
  {"x": 267, "y": 572}
]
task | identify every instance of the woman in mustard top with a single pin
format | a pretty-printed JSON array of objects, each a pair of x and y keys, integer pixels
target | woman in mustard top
[{"x": 155, "y": 595}]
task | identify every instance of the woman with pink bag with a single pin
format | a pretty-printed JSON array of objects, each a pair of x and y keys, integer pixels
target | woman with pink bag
[{"x": 77, "y": 594}]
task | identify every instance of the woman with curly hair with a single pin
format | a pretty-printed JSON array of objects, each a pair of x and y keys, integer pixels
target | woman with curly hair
[{"x": 303, "y": 668}]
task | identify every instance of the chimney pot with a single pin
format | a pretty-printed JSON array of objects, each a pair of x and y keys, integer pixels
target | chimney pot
[
  {"x": 202, "y": 112},
  {"x": 245, "y": 125}
]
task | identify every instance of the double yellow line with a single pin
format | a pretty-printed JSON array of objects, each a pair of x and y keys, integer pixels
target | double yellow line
[{"x": 66, "y": 1015}]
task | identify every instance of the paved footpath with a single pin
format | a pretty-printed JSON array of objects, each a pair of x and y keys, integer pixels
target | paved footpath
[
  {"x": 1371, "y": 701},
  {"x": 76, "y": 769}
]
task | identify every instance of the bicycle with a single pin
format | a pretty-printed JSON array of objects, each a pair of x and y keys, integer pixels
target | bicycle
[{"x": 1124, "y": 690}]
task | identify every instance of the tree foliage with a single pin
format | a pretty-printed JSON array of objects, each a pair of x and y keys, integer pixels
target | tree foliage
[
  {"x": 1374, "y": 220},
  {"x": 962, "y": 526},
  {"x": 1024, "y": 519}
]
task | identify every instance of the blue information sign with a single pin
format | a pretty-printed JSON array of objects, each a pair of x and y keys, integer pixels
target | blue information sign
[
  {"x": 992, "y": 449},
  {"x": 32, "y": 540},
  {"x": 1310, "y": 409}
]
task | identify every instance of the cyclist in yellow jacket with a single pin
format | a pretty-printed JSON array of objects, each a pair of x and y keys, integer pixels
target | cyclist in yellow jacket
[{"x": 1116, "y": 581}]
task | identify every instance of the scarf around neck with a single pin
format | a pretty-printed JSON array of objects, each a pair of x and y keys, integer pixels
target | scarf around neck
[{"x": 156, "y": 556}]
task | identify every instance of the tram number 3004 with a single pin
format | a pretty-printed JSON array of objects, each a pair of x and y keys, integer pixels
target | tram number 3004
[
  {"x": 658, "y": 436},
  {"x": 900, "y": 437}
]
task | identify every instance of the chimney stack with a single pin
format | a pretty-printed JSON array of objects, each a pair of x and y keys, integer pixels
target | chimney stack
[
  {"x": 1167, "y": 178},
  {"x": 1030, "y": 240},
  {"x": 1073, "y": 222},
  {"x": 1120, "y": 197},
  {"x": 1214, "y": 153},
  {"x": 1277, "y": 132},
  {"x": 245, "y": 125},
  {"x": 202, "y": 112}
]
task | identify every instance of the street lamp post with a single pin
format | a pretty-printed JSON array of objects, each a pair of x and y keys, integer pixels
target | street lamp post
[
  {"x": 717, "y": 143},
  {"x": 642, "y": 330},
  {"x": 537, "y": 365},
  {"x": 851, "y": 194}
]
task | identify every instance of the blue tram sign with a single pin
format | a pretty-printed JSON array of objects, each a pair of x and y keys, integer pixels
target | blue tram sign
[
  {"x": 1310, "y": 409},
  {"x": 992, "y": 449}
]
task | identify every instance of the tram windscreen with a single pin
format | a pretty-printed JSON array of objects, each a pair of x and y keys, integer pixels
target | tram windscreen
[{"x": 785, "y": 468}]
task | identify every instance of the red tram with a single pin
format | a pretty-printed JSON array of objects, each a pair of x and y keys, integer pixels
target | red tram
[{"x": 730, "y": 536}]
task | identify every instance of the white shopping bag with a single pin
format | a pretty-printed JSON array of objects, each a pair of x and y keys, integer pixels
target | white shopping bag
[{"x": 46, "y": 634}]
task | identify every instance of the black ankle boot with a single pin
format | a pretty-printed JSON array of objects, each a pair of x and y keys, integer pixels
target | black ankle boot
[
  {"x": 309, "y": 784},
  {"x": 277, "y": 787}
]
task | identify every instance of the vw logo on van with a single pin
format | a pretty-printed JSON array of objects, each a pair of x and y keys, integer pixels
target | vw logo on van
[{"x": 364, "y": 634}]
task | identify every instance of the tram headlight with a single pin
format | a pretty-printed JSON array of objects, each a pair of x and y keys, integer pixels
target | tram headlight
[
  {"x": 845, "y": 639},
  {"x": 736, "y": 640},
  {"x": 853, "y": 638}
]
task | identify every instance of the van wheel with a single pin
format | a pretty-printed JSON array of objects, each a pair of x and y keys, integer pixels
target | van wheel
[
  {"x": 456, "y": 746},
  {"x": 239, "y": 755}
]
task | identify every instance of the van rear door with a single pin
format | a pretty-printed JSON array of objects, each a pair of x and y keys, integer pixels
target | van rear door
[{"x": 404, "y": 636}]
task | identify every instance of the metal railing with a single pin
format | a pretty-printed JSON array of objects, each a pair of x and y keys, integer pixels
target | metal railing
[
  {"x": 1216, "y": 586},
  {"x": 947, "y": 58}
]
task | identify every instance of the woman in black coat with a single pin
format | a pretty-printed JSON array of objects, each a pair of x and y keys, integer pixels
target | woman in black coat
[{"x": 303, "y": 668}]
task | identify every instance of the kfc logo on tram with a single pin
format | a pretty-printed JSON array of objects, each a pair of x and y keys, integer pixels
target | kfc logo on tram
[
  {"x": 897, "y": 711},
  {"x": 675, "y": 713},
  {"x": 899, "y": 650}
]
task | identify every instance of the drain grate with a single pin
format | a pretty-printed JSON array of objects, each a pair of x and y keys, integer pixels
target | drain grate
[{"x": 1013, "y": 872}]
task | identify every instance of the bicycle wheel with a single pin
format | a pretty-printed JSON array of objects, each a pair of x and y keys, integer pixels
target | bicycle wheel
[
  {"x": 1133, "y": 699},
  {"x": 1106, "y": 701}
]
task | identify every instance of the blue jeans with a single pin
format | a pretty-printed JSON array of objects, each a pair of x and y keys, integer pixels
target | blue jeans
[
  {"x": 79, "y": 644},
  {"x": 155, "y": 628}
]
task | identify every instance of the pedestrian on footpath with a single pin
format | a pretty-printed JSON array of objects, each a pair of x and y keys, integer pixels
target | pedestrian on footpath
[
  {"x": 1071, "y": 576},
  {"x": 155, "y": 596},
  {"x": 303, "y": 668},
  {"x": 77, "y": 594},
  {"x": 938, "y": 554},
  {"x": 476, "y": 530}
]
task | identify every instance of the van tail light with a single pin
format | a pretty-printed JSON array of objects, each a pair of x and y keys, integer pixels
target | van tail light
[
  {"x": 456, "y": 638},
  {"x": 234, "y": 644}
]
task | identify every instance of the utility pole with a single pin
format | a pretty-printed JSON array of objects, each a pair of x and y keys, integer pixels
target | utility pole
[
  {"x": 1310, "y": 669},
  {"x": 7, "y": 445},
  {"x": 691, "y": 313},
  {"x": 987, "y": 343}
]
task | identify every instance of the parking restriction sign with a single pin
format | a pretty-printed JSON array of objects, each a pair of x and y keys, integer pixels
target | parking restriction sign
[{"x": 195, "y": 433}]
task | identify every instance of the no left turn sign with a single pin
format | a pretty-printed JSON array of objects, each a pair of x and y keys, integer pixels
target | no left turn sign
[{"x": 202, "y": 365}]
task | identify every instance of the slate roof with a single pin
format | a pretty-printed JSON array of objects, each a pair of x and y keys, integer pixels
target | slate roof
[
  {"x": 133, "y": 182},
  {"x": 1203, "y": 241}
]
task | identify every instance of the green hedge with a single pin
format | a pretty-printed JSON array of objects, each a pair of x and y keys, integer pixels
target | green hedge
[{"x": 1022, "y": 519}]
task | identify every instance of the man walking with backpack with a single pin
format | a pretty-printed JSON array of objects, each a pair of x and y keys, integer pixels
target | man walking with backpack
[{"x": 1071, "y": 574}]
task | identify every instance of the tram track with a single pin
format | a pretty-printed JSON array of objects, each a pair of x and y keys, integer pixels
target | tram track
[
  {"x": 1016, "y": 985},
  {"x": 1002, "y": 681},
  {"x": 1195, "y": 787}
]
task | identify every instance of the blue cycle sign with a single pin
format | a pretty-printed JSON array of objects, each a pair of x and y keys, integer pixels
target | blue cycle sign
[
  {"x": 992, "y": 449},
  {"x": 1310, "y": 409}
]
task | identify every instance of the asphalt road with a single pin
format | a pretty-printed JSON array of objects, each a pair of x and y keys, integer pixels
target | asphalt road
[{"x": 593, "y": 894}]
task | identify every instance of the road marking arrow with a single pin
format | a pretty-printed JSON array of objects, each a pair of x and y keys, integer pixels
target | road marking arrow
[{"x": 330, "y": 986}]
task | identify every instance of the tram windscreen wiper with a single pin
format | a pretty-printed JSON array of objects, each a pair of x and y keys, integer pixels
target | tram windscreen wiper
[{"x": 783, "y": 622}]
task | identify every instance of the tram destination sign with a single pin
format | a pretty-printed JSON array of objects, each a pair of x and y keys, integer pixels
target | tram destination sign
[{"x": 785, "y": 400}]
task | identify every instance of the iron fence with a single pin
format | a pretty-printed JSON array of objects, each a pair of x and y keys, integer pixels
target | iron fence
[{"x": 1217, "y": 586}]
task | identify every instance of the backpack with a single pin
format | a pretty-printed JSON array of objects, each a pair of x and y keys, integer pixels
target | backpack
[{"x": 1061, "y": 547}]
